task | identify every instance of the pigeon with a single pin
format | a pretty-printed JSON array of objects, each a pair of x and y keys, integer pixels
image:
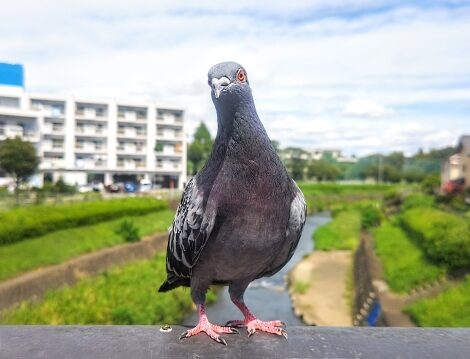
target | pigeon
[{"x": 240, "y": 217}]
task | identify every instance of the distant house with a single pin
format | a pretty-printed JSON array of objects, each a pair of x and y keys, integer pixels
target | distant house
[{"x": 455, "y": 170}]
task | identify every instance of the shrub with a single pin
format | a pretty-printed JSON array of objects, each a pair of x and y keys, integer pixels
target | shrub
[
  {"x": 404, "y": 263},
  {"x": 27, "y": 222},
  {"x": 451, "y": 308},
  {"x": 418, "y": 200},
  {"x": 341, "y": 233},
  {"x": 123, "y": 295},
  {"x": 444, "y": 237},
  {"x": 430, "y": 183},
  {"x": 128, "y": 231},
  {"x": 370, "y": 216}
]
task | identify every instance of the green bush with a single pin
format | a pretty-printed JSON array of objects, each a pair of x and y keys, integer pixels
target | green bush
[
  {"x": 404, "y": 263},
  {"x": 123, "y": 295},
  {"x": 341, "y": 233},
  {"x": 371, "y": 216},
  {"x": 418, "y": 200},
  {"x": 27, "y": 222},
  {"x": 128, "y": 231},
  {"x": 430, "y": 183},
  {"x": 444, "y": 237},
  {"x": 451, "y": 308},
  {"x": 59, "y": 246}
]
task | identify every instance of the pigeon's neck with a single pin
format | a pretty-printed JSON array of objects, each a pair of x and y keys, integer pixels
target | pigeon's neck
[{"x": 240, "y": 132}]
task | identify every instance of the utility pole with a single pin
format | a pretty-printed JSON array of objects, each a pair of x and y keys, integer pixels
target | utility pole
[{"x": 380, "y": 169}]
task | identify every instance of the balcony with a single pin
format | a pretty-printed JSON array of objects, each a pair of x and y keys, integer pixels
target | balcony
[
  {"x": 89, "y": 131},
  {"x": 169, "y": 136},
  {"x": 89, "y": 148},
  {"x": 54, "y": 130},
  {"x": 169, "y": 153},
  {"x": 90, "y": 114},
  {"x": 131, "y": 116},
  {"x": 131, "y": 133},
  {"x": 147, "y": 341},
  {"x": 169, "y": 167},
  {"x": 90, "y": 164},
  {"x": 52, "y": 147},
  {"x": 169, "y": 120},
  {"x": 50, "y": 163},
  {"x": 131, "y": 165},
  {"x": 131, "y": 150}
]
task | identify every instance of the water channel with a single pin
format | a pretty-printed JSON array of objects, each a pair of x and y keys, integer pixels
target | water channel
[{"x": 267, "y": 298}]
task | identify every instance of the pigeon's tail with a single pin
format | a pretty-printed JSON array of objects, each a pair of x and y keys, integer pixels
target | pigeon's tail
[{"x": 173, "y": 283}]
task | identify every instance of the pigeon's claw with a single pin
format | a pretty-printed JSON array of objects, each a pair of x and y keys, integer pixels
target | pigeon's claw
[
  {"x": 273, "y": 326},
  {"x": 236, "y": 323},
  {"x": 211, "y": 330}
]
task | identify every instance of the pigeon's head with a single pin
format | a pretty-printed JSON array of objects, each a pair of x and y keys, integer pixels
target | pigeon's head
[{"x": 229, "y": 82}]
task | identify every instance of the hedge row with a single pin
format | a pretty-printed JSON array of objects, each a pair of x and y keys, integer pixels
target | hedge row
[
  {"x": 27, "y": 222},
  {"x": 444, "y": 237}
]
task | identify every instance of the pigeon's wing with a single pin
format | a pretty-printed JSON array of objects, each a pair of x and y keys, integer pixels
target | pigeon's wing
[
  {"x": 295, "y": 226},
  {"x": 297, "y": 216},
  {"x": 189, "y": 232}
]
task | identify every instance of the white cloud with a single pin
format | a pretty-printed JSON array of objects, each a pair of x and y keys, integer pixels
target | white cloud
[
  {"x": 311, "y": 64},
  {"x": 365, "y": 108}
]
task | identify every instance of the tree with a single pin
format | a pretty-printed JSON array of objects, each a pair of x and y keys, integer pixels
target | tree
[
  {"x": 323, "y": 171},
  {"x": 18, "y": 159},
  {"x": 297, "y": 168},
  {"x": 200, "y": 149}
]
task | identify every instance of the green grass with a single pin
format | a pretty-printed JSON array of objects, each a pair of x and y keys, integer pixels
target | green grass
[
  {"x": 301, "y": 287},
  {"x": 331, "y": 196},
  {"x": 451, "y": 308},
  {"x": 341, "y": 233},
  {"x": 336, "y": 188},
  {"x": 26, "y": 222},
  {"x": 445, "y": 237},
  {"x": 124, "y": 295},
  {"x": 404, "y": 263},
  {"x": 59, "y": 246}
]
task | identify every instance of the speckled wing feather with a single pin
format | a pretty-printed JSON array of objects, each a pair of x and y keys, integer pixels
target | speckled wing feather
[
  {"x": 295, "y": 226},
  {"x": 189, "y": 233}
]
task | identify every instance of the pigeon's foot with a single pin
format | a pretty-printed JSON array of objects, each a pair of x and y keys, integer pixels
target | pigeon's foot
[
  {"x": 211, "y": 330},
  {"x": 253, "y": 324}
]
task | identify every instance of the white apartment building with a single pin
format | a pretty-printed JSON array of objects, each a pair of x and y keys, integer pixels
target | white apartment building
[{"x": 84, "y": 140}]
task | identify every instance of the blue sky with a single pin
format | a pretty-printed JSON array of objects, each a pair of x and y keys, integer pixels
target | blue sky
[{"x": 362, "y": 76}]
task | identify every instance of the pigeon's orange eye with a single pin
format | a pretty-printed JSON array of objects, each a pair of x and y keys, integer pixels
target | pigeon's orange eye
[{"x": 241, "y": 75}]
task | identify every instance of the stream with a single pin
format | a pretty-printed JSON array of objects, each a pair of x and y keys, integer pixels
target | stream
[{"x": 267, "y": 298}]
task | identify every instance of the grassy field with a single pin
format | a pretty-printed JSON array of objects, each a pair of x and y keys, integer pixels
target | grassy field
[
  {"x": 404, "y": 264},
  {"x": 451, "y": 308},
  {"x": 59, "y": 246},
  {"x": 309, "y": 188},
  {"x": 444, "y": 236},
  {"x": 32, "y": 221},
  {"x": 341, "y": 233},
  {"x": 124, "y": 295},
  {"x": 328, "y": 196}
]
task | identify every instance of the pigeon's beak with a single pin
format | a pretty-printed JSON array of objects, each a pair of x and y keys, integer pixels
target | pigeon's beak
[{"x": 219, "y": 84}]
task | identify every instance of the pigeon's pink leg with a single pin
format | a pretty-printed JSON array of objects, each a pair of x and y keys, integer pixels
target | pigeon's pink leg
[
  {"x": 252, "y": 323},
  {"x": 210, "y": 329}
]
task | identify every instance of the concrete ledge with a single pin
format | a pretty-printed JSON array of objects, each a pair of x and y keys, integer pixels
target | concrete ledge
[{"x": 304, "y": 342}]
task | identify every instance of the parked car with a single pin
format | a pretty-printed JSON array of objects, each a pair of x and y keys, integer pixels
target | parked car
[
  {"x": 113, "y": 188},
  {"x": 85, "y": 188},
  {"x": 145, "y": 185},
  {"x": 130, "y": 187}
]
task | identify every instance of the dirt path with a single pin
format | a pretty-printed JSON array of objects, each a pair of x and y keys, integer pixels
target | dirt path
[{"x": 325, "y": 301}]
